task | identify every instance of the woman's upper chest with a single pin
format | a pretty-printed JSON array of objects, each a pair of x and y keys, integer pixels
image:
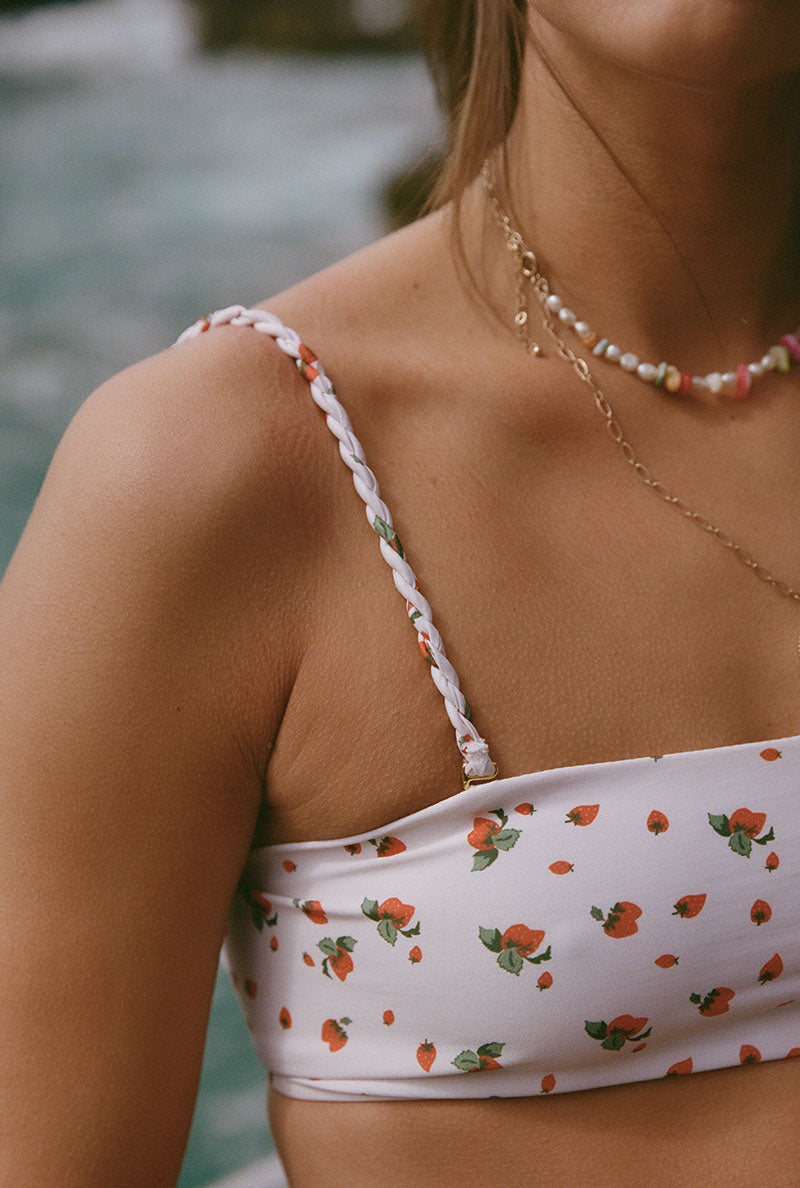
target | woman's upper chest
[{"x": 585, "y": 620}]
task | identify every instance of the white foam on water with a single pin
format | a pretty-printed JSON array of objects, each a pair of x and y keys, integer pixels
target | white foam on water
[
  {"x": 97, "y": 37},
  {"x": 266, "y": 1173}
]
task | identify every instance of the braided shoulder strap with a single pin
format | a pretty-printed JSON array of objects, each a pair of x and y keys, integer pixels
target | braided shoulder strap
[{"x": 477, "y": 765}]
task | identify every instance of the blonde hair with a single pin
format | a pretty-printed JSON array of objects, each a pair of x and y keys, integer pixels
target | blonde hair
[{"x": 474, "y": 49}]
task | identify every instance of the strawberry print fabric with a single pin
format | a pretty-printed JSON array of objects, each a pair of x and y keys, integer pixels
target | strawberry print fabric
[
  {"x": 549, "y": 932},
  {"x": 538, "y": 934}
]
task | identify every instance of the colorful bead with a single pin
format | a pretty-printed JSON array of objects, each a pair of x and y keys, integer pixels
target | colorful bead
[
  {"x": 661, "y": 375},
  {"x": 686, "y": 383},
  {"x": 792, "y": 344},
  {"x": 744, "y": 381},
  {"x": 672, "y": 381},
  {"x": 591, "y": 340},
  {"x": 600, "y": 347},
  {"x": 780, "y": 355}
]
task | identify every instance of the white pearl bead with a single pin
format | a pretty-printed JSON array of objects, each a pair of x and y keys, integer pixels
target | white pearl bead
[
  {"x": 553, "y": 302},
  {"x": 729, "y": 380},
  {"x": 613, "y": 353},
  {"x": 756, "y": 369},
  {"x": 629, "y": 362},
  {"x": 700, "y": 383},
  {"x": 714, "y": 381},
  {"x": 647, "y": 372},
  {"x": 583, "y": 329},
  {"x": 768, "y": 362},
  {"x": 773, "y": 355},
  {"x": 567, "y": 316}
]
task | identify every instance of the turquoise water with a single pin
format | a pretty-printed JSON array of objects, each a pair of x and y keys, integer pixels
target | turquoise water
[{"x": 140, "y": 186}]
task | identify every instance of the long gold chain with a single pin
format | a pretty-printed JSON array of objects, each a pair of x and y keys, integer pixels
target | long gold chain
[{"x": 528, "y": 274}]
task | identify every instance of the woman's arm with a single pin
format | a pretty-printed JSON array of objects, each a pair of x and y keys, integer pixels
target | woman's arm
[{"x": 139, "y": 690}]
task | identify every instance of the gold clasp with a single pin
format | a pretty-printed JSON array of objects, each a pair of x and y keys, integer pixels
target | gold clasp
[{"x": 468, "y": 780}]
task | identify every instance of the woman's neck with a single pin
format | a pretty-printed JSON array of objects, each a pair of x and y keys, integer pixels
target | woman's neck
[{"x": 695, "y": 253}]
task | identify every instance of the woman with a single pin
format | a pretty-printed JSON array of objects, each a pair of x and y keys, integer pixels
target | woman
[{"x": 206, "y": 671}]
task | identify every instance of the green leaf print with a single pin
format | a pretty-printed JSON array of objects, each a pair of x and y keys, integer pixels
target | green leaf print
[
  {"x": 545, "y": 956},
  {"x": 346, "y": 942},
  {"x": 759, "y": 841},
  {"x": 613, "y": 1043},
  {"x": 492, "y": 1049},
  {"x": 506, "y": 839},
  {"x": 597, "y": 1030},
  {"x": 411, "y": 931},
  {"x": 466, "y": 1061},
  {"x": 370, "y": 908},
  {"x": 740, "y": 844},
  {"x": 596, "y": 914},
  {"x": 491, "y": 938},
  {"x": 483, "y": 859},
  {"x": 510, "y": 960},
  {"x": 720, "y": 824},
  {"x": 327, "y": 946},
  {"x": 389, "y": 535},
  {"x": 387, "y": 930}
]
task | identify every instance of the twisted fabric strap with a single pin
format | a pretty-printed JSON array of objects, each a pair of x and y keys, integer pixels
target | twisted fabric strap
[{"x": 477, "y": 765}]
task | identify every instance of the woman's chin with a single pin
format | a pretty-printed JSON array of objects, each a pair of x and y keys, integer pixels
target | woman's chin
[{"x": 710, "y": 44}]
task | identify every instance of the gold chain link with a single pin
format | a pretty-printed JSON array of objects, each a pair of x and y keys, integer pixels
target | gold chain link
[{"x": 528, "y": 274}]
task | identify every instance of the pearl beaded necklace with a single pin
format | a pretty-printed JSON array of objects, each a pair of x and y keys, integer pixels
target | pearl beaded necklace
[{"x": 667, "y": 376}]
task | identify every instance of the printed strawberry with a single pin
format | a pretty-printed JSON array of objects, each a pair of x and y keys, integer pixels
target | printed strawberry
[
  {"x": 770, "y": 754},
  {"x": 689, "y": 906},
  {"x": 772, "y": 862},
  {"x": 484, "y": 1058},
  {"x": 309, "y": 960},
  {"x": 760, "y": 912},
  {"x": 483, "y": 833},
  {"x": 548, "y": 1083},
  {"x": 621, "y": 919},
  {"x": 284, "y": 1018},
  {"x": 561, "y": 867},
  {"x": 386, "y": 846},
  {"x": 333, "y": 1033},
  {"x": 680, "y": 1069},
  {"x": 790, "y": 1055},
  {"x": 525, "y": 809},
  {"x": 273, "y": 943},
  {"x": 490, "y": 837},
  {"x": 614, "y": 1035},
  {"x": 716, "y": 1002},
  {"x": 657, "y": 822},
  {"x": 388, "y": 1018},
  {"x": 260, "y": 907},
  {"x": 748, "y": 1054},
  {"x": 514, "y": 946},
  {"x": 313, "y": 909},
  {"x": 392, "y": 916},
  {"x": 771, "y": 970},
  {"x": 289, "y": 866},
  {"x": 583, "y": 814},
  {"x": 250, "y": 987},
  {"x": 336, "y": 955},
  {"x": 415, "y": 955},
  {"x": 741, "y": 830},
  {"x": 666, "y": 960},
  {"x": 426, "y": 1054},
  {"x": 353, "y": 848}
]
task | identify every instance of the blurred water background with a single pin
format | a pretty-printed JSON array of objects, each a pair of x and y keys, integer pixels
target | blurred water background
[{"x": 143, "y": 183}]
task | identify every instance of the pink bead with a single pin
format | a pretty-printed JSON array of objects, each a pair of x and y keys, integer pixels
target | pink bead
[
  {"x": 744, "y": 381},
  {"x": 686, "y": 383},
  {"x": 792, "y": 344}
]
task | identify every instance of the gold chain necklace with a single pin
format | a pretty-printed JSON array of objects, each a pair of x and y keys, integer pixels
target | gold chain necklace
[{"x": 528, "y": 274}]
